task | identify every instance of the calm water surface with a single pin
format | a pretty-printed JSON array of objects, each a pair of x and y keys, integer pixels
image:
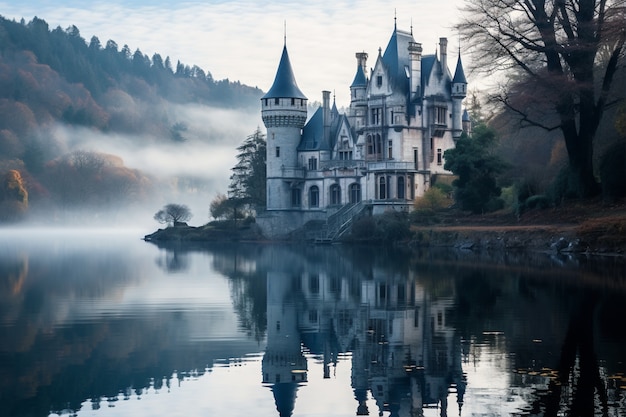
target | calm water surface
[{"x": 104, "y": 324}]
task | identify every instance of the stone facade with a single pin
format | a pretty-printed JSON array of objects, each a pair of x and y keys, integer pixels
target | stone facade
[{"x": 385, "y": 151}]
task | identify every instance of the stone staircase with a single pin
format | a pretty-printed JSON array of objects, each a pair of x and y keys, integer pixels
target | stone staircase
[{"x": 339, "y": 222}]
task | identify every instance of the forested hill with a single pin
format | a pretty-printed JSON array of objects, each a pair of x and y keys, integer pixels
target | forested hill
[
  {"x": 55, "y": 77},
  {"x": 60, "y": 75}
]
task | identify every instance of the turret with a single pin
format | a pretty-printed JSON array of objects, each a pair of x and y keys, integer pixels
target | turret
[
  {"x": 458, "y": 93},
  {"x": 284, "y": 112},
  {"x": 466, "y": 123},
  {"x": 358, "y": 92}
]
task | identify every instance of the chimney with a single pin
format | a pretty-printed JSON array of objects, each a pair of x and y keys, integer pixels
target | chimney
[
  {"x": 326, "y": 113},
  {"x": 415, "y": 54},
  {"x": 361, "y": 58},
  {"x": 443, "y": 47}
]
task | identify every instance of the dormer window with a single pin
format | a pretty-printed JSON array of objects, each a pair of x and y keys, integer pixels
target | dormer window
[
  {"x": 379, "y": 81},
  {"x": 277, "y": 101}
]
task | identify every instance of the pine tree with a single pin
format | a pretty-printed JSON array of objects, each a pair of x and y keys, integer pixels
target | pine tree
[{"x": 247, "y": 183}]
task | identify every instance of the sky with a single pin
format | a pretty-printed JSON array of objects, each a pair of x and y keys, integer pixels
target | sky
[{"x": 242, "y": 40}]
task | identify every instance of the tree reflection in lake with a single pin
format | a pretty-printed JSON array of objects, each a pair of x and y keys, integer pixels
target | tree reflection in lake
[{"x": 323, "y": 330}]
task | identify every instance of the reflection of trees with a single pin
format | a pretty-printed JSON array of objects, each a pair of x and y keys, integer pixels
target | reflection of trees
[
  {"x": 578, "y": 389},
  {"x": 173, "y": 260}
]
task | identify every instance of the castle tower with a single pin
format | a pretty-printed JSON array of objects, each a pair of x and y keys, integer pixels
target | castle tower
[
  {"x": 284, "y": 365},
  {"x": 284, "y": 112},
  {"x": 358, "y": 92},
  {"x": 466, "y": 122},
  {"x": 459, "y": 91}
]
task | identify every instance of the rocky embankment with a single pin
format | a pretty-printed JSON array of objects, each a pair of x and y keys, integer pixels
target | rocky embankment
[
  {"x": 207, "y": 233},
  {"x": 583, "y": 228}
]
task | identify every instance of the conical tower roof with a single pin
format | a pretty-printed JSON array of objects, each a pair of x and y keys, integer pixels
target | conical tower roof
[
  {"x": 285, "y": 85},
  {"x": 459, "y": 74},
  {"x": 359, "y": 79}
]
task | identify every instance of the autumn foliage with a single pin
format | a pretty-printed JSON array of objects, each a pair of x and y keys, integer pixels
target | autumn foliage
[{"x": 13, "y": 197}]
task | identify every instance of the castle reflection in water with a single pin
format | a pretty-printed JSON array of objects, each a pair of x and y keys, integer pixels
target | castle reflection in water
[{"x": 405, "y": 352}]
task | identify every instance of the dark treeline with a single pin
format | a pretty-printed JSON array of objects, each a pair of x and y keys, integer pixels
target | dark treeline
[{"x": 51, "y": 77}]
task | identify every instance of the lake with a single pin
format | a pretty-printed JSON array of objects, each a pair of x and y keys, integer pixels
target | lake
[{"x": 103, "y": 324}]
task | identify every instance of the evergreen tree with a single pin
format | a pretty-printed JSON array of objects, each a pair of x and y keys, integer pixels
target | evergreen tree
[
  {"x": 247, "y": 183},
  {"x": 476, "y": 166}
]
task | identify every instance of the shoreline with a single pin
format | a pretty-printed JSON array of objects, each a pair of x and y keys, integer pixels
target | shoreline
[{"x": 590, "y": 228}]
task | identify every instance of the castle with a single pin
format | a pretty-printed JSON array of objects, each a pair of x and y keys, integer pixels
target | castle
[{"x": 388, "y": 149}]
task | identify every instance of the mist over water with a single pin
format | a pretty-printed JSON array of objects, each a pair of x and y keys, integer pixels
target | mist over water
[{"x": 191, "y": 171}]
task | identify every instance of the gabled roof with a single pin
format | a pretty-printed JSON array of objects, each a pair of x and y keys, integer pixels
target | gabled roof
[
  {"x": 396, "y": 59},
  {"x": 285, "y": 82},
  {"x": 313, "y": 133},
  {"x": 335, "y": 129},
  {"x": 313, "y": 138},
  {"x": 360, "y": 80},
  {"x": 428, "y": 63},
  {"x": 459, "y": 74}
]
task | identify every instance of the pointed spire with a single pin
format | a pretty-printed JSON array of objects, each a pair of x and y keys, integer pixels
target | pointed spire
[
  {"x": 285, "y": 85},
  {"x": 459, "y": 74}
]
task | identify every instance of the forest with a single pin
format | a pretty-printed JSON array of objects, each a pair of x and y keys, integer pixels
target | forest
[{"x": 69, "y": 105}]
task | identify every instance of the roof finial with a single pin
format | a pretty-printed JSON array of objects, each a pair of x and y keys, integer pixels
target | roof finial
[
  {"x": 411, "y": 26},
  {"x": 285, "y": 32},
  {"x": 395, "y": 19}
]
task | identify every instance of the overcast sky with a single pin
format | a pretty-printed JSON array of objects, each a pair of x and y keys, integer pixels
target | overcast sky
[{"x": 242, "y": 39}]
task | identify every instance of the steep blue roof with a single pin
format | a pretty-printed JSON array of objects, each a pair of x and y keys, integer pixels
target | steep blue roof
[
  {"x": 396, "y": 58},
  {"x": 313, "y": 133},
  {"x": 359, "y": 79},
  {"x": 428, "y": 62},
  {"x": 459, "y": 74},
  {"x": 285, "y": 82}
]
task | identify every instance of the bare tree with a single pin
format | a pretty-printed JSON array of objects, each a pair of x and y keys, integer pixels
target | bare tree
[
  {"x": 173, "y": 214},
  {"x": 559, "y": 55}
]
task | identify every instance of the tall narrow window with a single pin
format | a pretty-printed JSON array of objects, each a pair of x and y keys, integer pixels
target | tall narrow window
[
  {"x": 278, "y": 152},
  {"x": 439, "y": 156},
  {"x": 376, "y": 116},
  {"x": 314, "y": 284},
  {"x": 295, "y": 197},
  {"x": 312, "y": 164},
  {"x": 382, "y": 188},
  {"x": 355, "y": 193},
  {"x": 314, "y": 196},
  {"x": 276, "y": 101},
  {"x": 390, "y": 149},
  {"x": 401, "y": 187},
  {"x": 335, "y": 194},
  {"x": 379, "y": 80},
  {"x": 415, "y": 157}
]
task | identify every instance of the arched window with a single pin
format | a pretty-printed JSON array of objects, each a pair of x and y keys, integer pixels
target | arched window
[
  {"x": 355, "y": 193},
  {"x": 400, "y": 194},
  {"x": 382, "y": 188},
  {"x": 335, "y": 194},
  {"x": 314, "y": 196}
]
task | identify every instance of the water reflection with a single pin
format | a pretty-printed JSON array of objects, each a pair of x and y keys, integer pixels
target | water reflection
[{"x": 335, "y": 331}]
